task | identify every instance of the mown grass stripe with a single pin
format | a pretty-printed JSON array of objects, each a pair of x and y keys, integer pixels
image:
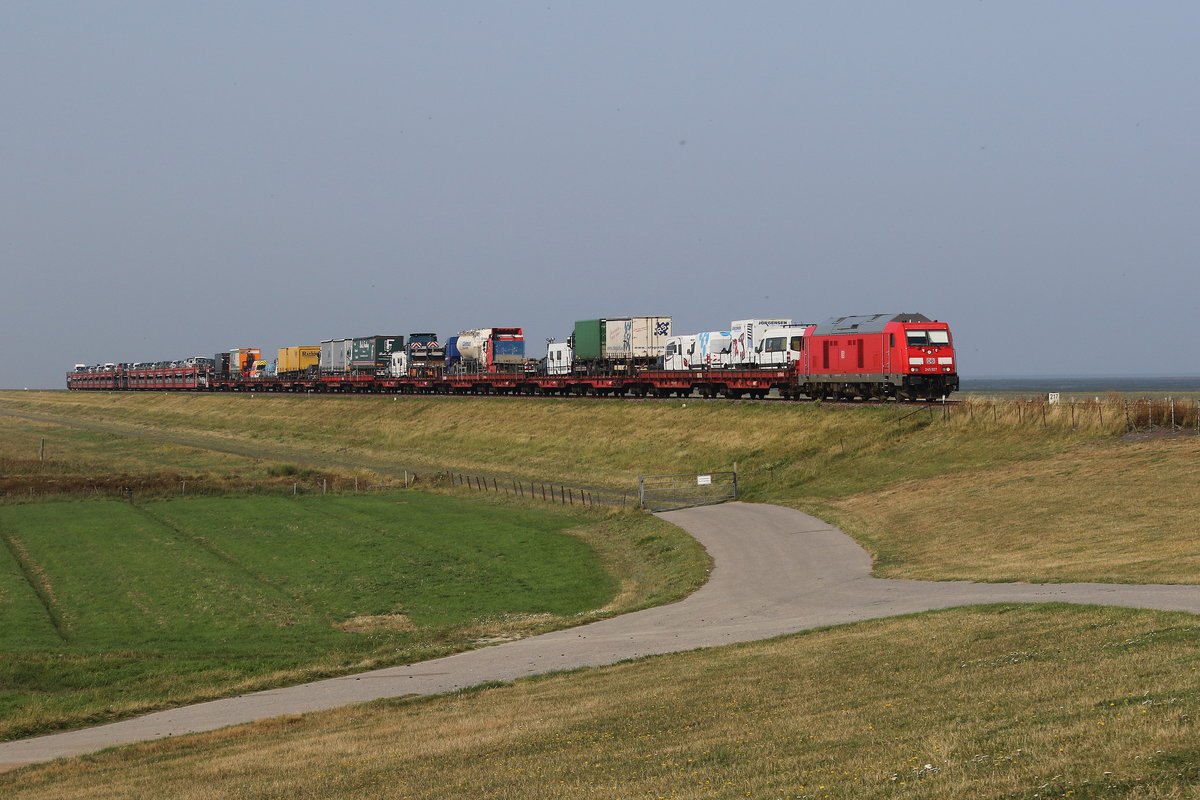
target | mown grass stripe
[
  {"x": 39, "y": 582},
  {"x": 200, "y": 542},
  {"x": 307, "y": 588}
]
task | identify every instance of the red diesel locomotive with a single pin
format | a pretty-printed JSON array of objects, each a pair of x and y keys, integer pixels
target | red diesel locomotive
[{"x": 906, "y": 356}]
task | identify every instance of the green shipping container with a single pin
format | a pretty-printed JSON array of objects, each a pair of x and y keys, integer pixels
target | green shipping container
[
  {"x": 374, "y": 353},
  {"x": 589, "y": 339}
]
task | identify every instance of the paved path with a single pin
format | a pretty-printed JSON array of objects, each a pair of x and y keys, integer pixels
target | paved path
[{"x": 776, "y": 571}]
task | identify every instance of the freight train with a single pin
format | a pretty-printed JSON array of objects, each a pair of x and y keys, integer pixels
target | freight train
[{"x": 877, "y": 356}]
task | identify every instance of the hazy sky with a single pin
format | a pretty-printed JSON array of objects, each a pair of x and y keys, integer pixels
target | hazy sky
[{"x": 183, "y": 178}]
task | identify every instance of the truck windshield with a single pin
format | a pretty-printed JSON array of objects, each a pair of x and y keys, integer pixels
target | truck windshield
[{"x": 920, "y": 338}]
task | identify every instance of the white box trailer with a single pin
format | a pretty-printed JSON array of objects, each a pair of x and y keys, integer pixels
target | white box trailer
[
  {"x": 745, "y": 338},
  {"x": 636, "y": 337},
  {"x": 336, "y": 354}
]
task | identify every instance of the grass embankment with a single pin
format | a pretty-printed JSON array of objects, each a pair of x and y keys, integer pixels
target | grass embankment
[
  {"x": 1028, "y": 702},
  {"x": 996, "y": 491},
  {"x": 1122, "y": 512},
  {"x": 108, "y": 609}
]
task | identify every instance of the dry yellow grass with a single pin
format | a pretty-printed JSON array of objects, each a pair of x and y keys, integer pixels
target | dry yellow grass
[
  {"x": 1016, "y": 701},
  {"x": 376, "y": 622},
  {"x": 1124, "y": 511},
  {"x": 580, "y": 442}
]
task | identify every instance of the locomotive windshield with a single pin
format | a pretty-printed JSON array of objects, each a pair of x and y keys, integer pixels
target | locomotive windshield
[{"x": 926, "y": 338}]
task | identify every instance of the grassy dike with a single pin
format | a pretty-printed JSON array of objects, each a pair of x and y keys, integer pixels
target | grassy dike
[
  {"x": 1013, "y": 701},
  {"x": 991, "y": 493}
]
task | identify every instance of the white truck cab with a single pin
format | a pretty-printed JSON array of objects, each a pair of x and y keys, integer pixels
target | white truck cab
[
  {"x": 780, "y": 347},
  {"x": 746, "y": 334},
  {"x": 559, "y": 358},
  {"x": 399, "y": 366},
  {"x": 678, "y": 352},
  {"x": 707, "y": 350}
]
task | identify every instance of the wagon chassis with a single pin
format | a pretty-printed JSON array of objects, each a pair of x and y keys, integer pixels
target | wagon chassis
[{"x": 730, "y": 384}]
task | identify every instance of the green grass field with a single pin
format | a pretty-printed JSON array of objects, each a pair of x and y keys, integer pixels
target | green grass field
[
  {"x": 108, "y": 608},
  {"x": 1029, "y": 702}
]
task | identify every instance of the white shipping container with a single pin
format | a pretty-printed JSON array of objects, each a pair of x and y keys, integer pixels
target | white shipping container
[
  {"x": 636, "y": 337},
  {"x": 335, "y": 354}
]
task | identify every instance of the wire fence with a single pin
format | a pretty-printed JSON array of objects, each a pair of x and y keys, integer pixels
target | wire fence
[
  {"x": 668, "y": 492},
  {"x": 558, "y": 493},
  {"x": 48, "y": 486},
  {"x": 1141, "y": 415},
  {"x": 30, "y": 486}
]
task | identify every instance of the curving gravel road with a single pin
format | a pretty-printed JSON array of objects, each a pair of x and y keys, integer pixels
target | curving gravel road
[{"x": 776, "y": 571}]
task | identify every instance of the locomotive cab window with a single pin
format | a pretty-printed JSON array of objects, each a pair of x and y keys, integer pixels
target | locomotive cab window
[{"x": 928, "y": 338}]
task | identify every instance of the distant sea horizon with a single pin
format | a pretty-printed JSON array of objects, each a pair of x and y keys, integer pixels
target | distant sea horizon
[{"x": 1098, "y": 384}]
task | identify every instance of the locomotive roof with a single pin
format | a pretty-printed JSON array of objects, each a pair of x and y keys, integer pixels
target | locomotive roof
[{"x": 864, "y": 323}]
